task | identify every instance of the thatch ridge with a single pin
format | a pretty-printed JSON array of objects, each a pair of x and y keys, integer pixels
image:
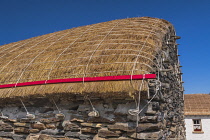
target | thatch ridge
[{"x": 118, "y": 47}]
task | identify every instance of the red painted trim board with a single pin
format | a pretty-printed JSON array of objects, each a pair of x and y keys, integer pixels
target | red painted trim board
[{"x": 85, "y": 79}]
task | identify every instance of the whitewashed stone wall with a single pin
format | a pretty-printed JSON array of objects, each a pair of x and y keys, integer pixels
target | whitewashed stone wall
[{"x": 205, "y": 121}]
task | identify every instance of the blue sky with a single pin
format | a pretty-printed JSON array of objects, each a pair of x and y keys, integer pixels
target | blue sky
[{"x": 23, "y": 19}]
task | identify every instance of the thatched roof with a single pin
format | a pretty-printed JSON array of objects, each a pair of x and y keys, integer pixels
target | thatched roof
[
  {"x": 197, "y": 104},
  {"x": 118, "y": 47}
]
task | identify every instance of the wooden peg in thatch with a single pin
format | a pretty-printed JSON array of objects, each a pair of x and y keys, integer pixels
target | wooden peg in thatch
[
  {"x": 165, "y": 70},
  {"x": 176, "y": 37}
]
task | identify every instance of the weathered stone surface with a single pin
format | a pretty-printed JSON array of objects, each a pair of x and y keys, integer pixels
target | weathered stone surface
[
  {"x": 45, "y": 121},
  {"x": 6, "y": 134},
  {"x": 84, "y": 108},
  {"x": 96, "y": 137},
  {"x": 32, "y": 137},
  {"x": 97, "y": 125},
  {"x": 77, "y": 120},
  {"x": 72, "y": 134},
  {"x": 54, "y": 120},
  {"x": 120, "y": 138},
  {"x": 101, "y": 120},
  {"x": 10, "y": 120},
  {"x": 60, "y": 116},
  {"x": 19, "y": 137},
  {"x": 25, "y": 120},
  {"x": 122, "y": 109},
  {"x": 34, "y": 130},
  {"x": 39, "y": 137},
  {"x": 66, "y": 138},
  {"x": 130, "y": 127},
  {"x": 147, "y": 135},
  {"x": 49, "y": 131},
  {"x": 5, "y": 127},
  {"x": 50, "y": 126},
  {"x": 46, "y": 109},
  {"x": 71, "y": 127},
  {"x": 173, "y": 129},
  {"x": 145, "y": 119},
  {"x": 59, "y": 125},
  {"x": 21, "y": 124},
  {"x": 6, "y": 139},
  {"x": 85, "y": 137},
  {"x": 21, "y": 130},
  {"x": 89, "y": 130},
  {"x": 38, "y": 125},
  {"x": 47, "y": 115},
  {"x": 148, "y": 127},
  {"x": 106, "y": 133}
]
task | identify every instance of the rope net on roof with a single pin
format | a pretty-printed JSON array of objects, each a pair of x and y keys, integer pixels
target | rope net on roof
[{"x": 119, "y": 47}]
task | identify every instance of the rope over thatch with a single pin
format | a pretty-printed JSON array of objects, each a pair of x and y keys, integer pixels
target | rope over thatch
[{"x": 118, "y": 47}]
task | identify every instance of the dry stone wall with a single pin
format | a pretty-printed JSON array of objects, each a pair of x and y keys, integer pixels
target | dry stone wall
[{"x": 74, "y": 121}]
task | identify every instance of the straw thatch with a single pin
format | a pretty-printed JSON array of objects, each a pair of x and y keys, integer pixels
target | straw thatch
[{"x": 118, "y": 47}]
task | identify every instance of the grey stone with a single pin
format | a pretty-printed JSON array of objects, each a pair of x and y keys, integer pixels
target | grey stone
[
  {"x": 149, "y": 127},
  {"x": 89, "y": 130},
  {"x": 85, "y": 137},
  {"x": 72, "y": 134},
  {"x": 5, "y": 127},
  {"x": 46, "y": 137},
  {"x": 71, "y": 127},
  {"x": 49, "y": 132},
  {"x": 147, "y": 135},
  {"x": 6, "y": 134},
  {"x": 21, "y": 130},
  {"x": 130, "y": 127},
  {"x": 106, "y": 133}
]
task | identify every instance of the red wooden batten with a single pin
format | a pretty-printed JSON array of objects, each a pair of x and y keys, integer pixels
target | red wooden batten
[{"x": 83, "y": 79}]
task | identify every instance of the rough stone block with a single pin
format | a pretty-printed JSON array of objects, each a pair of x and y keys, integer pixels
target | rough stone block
[
  {"x": 97, "y": 125},
  {"x": 106, "y": 133},
  {"x": 21, "y": 124},
  {"x": 38, "y": 125},
  {"x": 71, "y": 127},
  {"x": 6, "y": 134},
  {"x": 101, "y": 120},
  {"x": 45, "y": 121},
  {"x": 50, "y": 126},
  {"x": 77, "y": 118},
  {"x": 129, "y": 127},
  {"x": 5, "y": 127},
  {"x": 34, "y": 130},
  {"x": 147, "y": 135},
  {"x": 21, "y": 130},
  {"x": 148, "y": 127},
  {"x": 89, "y": 130},
  {"x": 46, "y": 137},
  {"x": 148, "y": 119},
  {"x": 72, "y": 134}
]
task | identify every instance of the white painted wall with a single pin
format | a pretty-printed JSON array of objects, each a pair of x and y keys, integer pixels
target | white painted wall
[{"x": 205, "y": 120}]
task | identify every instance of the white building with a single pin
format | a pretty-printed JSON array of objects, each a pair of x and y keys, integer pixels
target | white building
[{"x": 197, "y": 116}]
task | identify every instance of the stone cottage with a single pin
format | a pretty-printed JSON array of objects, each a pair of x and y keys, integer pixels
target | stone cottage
[
  {"x": 197, "y": 116},
  {"x": 117, "y": 80}
]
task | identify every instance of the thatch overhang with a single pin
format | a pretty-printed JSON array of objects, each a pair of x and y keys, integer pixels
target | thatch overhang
[{"x": 119, "y": 47}]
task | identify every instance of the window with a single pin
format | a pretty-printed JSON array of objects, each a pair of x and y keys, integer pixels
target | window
[{"x": 197, "y": 125}]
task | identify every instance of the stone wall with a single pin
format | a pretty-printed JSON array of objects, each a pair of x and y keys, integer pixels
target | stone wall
[{"x": 76, "y": 120}]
